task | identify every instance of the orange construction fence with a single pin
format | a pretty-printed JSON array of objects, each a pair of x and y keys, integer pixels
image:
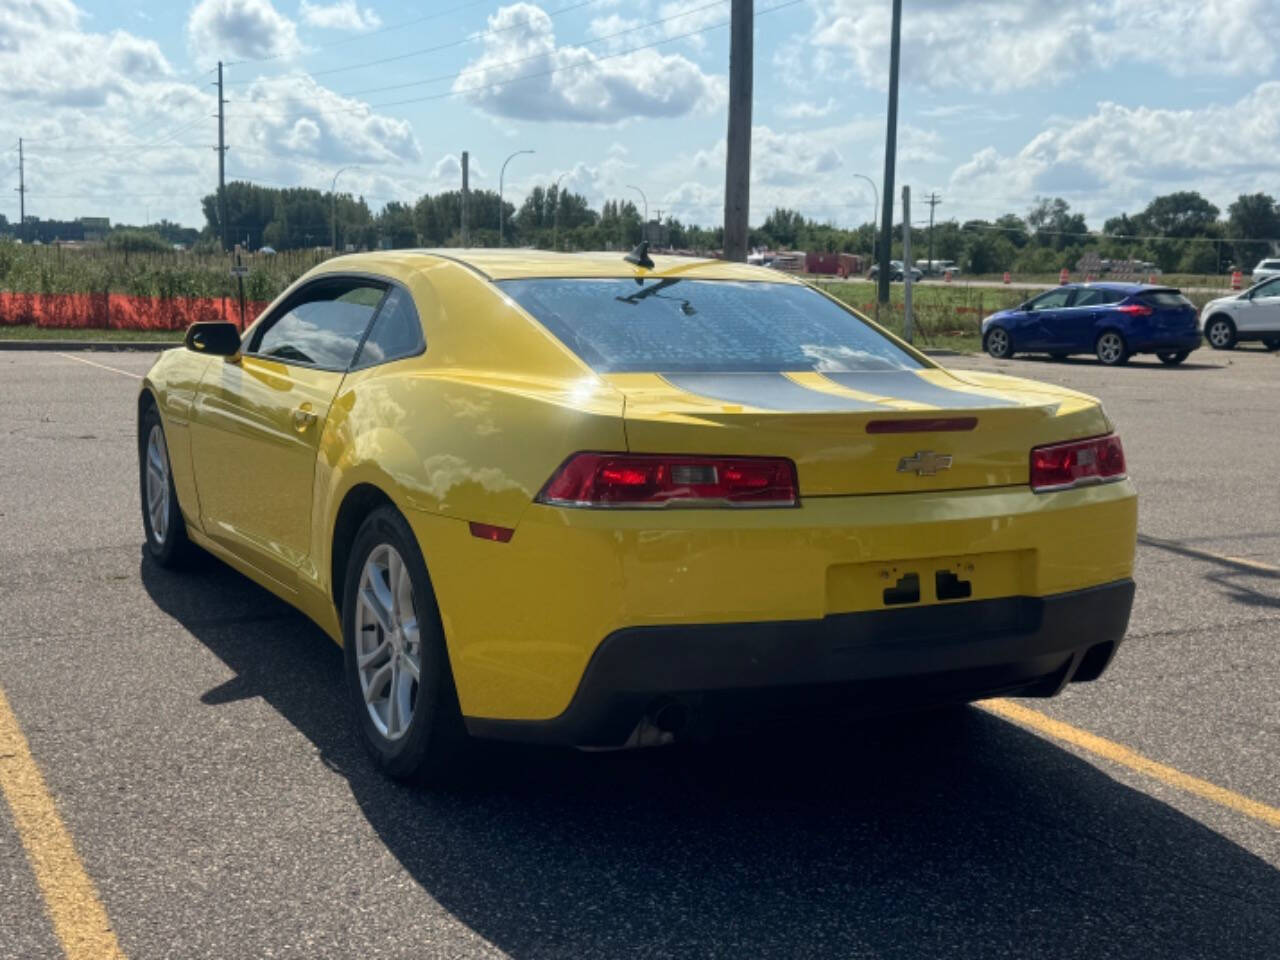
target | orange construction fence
[{"x": 119, "y": 311}]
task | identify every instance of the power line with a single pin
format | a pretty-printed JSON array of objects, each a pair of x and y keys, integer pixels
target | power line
[
  {"x": 470, "y": 38},
  {"x": 504, "y": 63},
  {"x": 363, "y": 36},
  {"x": 525, "y": 76}
]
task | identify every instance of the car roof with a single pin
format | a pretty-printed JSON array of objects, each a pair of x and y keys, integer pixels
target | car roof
[
  {"x": 1129, "y": 288},
  {"x": 496, "y": 264}
]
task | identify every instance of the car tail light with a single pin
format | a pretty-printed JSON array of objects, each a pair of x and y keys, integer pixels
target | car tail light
[
  {"x": 1136, "y": 309},
  {"x": 1062, "y": 466},
  {"x": 643, "y": 480}
]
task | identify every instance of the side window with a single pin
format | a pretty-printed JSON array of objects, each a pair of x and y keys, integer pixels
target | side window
[
  {"x": 322, "y": 326},
  {"x": 1268, "y": 290},
  {"x": 1052, "y": 300},
  {"x": 396, "y": 332},
  {"x": 1091, "y": 298}
]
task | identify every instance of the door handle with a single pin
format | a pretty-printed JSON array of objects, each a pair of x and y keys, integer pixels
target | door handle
[{"x": 303, "y": 417}]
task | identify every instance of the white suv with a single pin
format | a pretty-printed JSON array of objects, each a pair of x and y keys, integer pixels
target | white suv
[
  {"x": 1252, "y": 315},
  {"x": 1266, "y": 269}
]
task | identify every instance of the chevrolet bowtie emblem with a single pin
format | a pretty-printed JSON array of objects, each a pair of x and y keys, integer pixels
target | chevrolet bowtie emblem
[{"x": 925, "y": 463}]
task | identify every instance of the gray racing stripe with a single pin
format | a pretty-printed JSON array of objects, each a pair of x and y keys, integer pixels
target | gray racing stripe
[
  {"x": 905, "y": 385},
  {"x": 768, "y": 391}
]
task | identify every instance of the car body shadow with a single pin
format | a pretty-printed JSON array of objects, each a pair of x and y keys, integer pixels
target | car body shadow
[
  {"x": 954, "y": 834},
  {"x": 1139, "y": 362}
]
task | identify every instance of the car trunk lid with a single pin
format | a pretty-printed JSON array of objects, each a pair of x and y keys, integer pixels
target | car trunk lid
[{"x": 890, "y": 431}]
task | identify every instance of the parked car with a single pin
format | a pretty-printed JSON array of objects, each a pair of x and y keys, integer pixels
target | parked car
[
  {"x": 897, "y": 272},
  {"x": 937, "y": 268},
  {"x": 577, "y": 499},
  {"x": 1113, "y": 321},
  {"x": 1252, "y": 315},
  {"x": 1266, "y": 268}
]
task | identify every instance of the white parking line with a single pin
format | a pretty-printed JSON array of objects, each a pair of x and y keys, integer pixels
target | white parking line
[{"x": 101, "y": 366}]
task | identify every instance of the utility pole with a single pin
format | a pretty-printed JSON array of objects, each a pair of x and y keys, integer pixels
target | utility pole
[
  {"x": 222, "y": 160},
  {"x": 908, "y": 327},
  {"x": 737, "y": 169},
  {"x": 466, "y": 198},
  {"x": 932, "y": 200},
  {"x": 22, "y": 191},
  {"x": 890, "y": 152}
]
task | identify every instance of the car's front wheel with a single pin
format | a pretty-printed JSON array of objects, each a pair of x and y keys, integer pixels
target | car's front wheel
[
  {"x": 1173, "y": 358},
  {"x": 166, "y": 531},
  {"x": 1111, "y": 349},
  {"x": 998, "y": 343},
  {"x": 397, "y": 669},
  {"x": 1221, "y": 333}
]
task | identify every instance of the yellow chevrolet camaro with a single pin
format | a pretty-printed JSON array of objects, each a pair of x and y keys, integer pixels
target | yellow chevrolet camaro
[{"x": 608, "y": 501}]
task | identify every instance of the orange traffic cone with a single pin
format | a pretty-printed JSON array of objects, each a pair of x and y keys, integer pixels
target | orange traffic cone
[
  {"x": 1236, "y": 280},
  {"x": 1151, "y": 279},
  {"x": 1006, "y": 276},
  {"x": 946, "y": 276},
  {"x": 1063, "y": 276}
]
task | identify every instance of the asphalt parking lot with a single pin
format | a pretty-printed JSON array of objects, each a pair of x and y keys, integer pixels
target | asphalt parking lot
[{"x": 189, "y": 731}]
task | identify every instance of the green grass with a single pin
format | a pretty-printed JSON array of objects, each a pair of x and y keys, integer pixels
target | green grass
[{"x": 30, "y": 332}]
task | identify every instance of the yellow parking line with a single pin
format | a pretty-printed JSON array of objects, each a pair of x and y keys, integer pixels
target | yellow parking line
[
  {"x": 79, "y": 919},
  {"x": 1107, "y": 749},
  {"x": 1175, "y": 547},
  {"x": 101, "y": 366}
]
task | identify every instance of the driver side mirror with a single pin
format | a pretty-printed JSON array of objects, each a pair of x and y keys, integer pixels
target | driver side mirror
[{"x": 217, "y": 339}]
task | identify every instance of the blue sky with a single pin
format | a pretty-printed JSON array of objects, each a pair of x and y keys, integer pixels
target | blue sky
[{"x": 1104, "y": 102}]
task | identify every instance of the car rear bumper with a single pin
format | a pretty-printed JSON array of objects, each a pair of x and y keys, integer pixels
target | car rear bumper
[{"x": 652, "y": 684}]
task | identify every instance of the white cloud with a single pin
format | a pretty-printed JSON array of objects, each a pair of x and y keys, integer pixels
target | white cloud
[
  {"x": 551, "y": 82},
  {"x": 1119, "y": 157},
  {"x": 254, "y": 29},
  {"x": 313, "y": 121},
  {"x": 803, "y": 110},
  {"x": 343, "y": 15},
  {"x": 1014, "y": 44}
]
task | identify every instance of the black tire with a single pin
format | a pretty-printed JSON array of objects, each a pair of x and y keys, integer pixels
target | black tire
[
  {"x": 170, "y": 547},
  {"x": 1111, "y": 349},
  {"x": 1173, "y": 358},
  {"x": 998, "y": 343},
  {"x": 1220, "y": 332},
  {"x": 431, "y": 746}
]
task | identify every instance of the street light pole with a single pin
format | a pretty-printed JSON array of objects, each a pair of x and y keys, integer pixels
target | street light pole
[
  {"x": 643, "y": 198},
  {"x": 555, "y": 217},
  {"x": 502, "y": 174},
  {"x": 333, "y": 209},
  {"x": 876, "y": 195}
]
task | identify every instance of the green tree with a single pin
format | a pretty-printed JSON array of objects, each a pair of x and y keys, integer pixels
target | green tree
[{"x": 1256, "y": 218}]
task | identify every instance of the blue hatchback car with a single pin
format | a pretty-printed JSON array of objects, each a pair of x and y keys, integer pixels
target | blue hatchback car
[{"x": 1113, "y": 321}]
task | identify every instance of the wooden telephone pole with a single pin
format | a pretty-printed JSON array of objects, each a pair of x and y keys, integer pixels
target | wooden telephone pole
[{"x": 737, "y": 171}]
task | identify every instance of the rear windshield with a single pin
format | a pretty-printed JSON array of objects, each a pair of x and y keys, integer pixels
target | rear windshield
[
  {"x": 715, "y": 326},
  {"x": 1165, "y": 298}
]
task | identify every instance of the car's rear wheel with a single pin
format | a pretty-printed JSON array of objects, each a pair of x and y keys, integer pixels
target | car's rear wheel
[
  {"x": 1221, "y": 333},
  {"x": 167, "y": 541},
  {"x": 1173, "y": 358},
  {"x": 998, "y": 343},
  {"x": 1111, "y": 349},
  {"x": 398, "y": 678}
]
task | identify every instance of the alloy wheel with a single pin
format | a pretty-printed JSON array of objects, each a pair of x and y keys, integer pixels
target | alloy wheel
[
  {"x": 1110, "y": 348},
  {"x": 388, "y": 642},
  {"x": 1219, "y": 334},
  {"x": 998, "y": 342},
  {"x": 158, "y": 483}
]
